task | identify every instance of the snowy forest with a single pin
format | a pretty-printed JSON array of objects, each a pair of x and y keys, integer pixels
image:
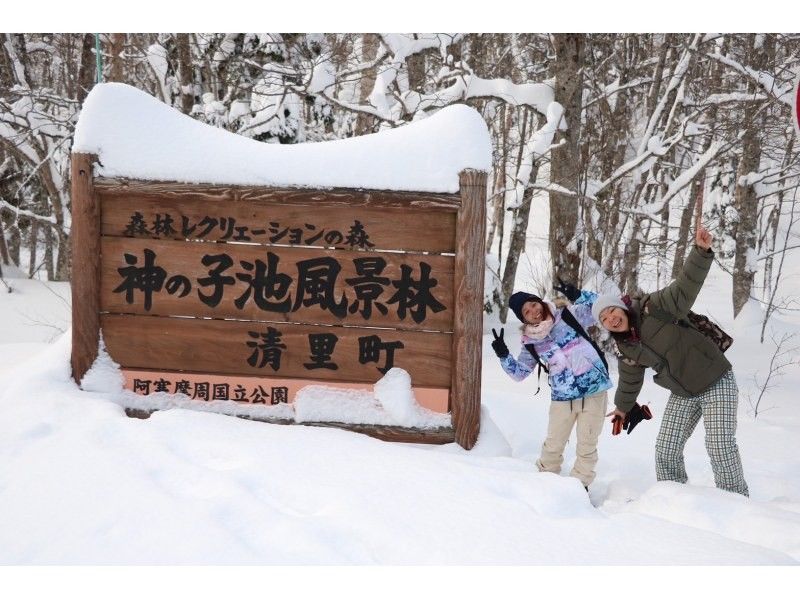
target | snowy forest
[{"x": 620, "y": 133}]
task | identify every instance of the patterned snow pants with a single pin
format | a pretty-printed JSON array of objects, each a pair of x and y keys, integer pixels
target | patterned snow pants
[{"x": 718, "y": 407}]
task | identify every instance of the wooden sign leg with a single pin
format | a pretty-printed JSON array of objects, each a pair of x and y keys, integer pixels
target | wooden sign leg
[
  {"x": 468, "y": 325},
  {"x": 85, "y": 235}
]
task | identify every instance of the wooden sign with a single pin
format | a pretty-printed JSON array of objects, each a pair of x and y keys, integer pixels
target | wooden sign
[{"x": 279, "y": 288}]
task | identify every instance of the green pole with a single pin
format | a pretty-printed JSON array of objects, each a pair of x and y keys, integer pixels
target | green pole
[{"x": 99, "y": 57}]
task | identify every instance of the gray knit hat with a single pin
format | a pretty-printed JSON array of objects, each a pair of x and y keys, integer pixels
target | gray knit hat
[{"x": 604, "y": 301}]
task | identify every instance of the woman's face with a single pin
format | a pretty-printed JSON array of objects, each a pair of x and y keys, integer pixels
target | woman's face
[
  {"x": 533, "y": 312},
  {"x": 614, "y": 319}
]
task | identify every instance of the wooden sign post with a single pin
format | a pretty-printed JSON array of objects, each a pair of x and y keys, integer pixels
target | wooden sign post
[{"x": 283, "y": 287}]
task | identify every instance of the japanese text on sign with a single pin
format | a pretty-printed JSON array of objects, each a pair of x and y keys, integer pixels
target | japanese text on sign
[
  {"x": 268, "y": 287},
  {"x": 206, "y": 391},
  {"x": 165, "y": 225}
]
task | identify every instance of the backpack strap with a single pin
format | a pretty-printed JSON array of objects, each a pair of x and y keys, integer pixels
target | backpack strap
[
  {"x": 532, "y": 350},
  {"x": 568, "y": 317},
  {"x": 664, "y": 316},
  {"x": 699, "y": 322}
]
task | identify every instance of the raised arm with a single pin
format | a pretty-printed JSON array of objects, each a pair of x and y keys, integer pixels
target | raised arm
[
  {"x": 678, "y": 297},
  {"x": 582, "y": 308}
]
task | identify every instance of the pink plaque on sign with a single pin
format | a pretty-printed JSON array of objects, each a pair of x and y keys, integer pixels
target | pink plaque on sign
[{"x": 251, "y": 389}]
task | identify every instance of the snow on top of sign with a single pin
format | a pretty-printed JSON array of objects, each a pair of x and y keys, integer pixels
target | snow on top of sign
[{"x": 137, "y": 136}]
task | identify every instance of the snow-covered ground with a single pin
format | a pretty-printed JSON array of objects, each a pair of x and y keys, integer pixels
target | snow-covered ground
[{"x": 82, "y": 483}]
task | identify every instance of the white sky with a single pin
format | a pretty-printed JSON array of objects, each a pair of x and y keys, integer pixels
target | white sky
[{"x": 408, "y": 15}]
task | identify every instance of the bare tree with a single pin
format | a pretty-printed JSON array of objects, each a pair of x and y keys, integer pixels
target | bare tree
[{"x": 565, "y": 246}]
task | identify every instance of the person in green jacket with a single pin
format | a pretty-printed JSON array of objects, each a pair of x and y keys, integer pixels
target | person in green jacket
[{"x": 652, "y": 331}]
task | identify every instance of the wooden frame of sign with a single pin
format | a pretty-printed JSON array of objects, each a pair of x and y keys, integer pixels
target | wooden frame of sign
[{"x": 322, "y": 285}]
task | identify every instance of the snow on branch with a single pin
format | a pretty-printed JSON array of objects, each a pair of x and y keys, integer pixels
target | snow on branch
[
  {"x": 688, "y": 175},
  {"x": 363, "y": 109},
  {"x": 4, "y": 205},
  {"x": 609, "y": 91},
  {"x": 767, "y": 82},
  {"x": 16, "y": 64},
  {"x": 539, "y": 144},
  {"x": 403, "y": 45},
  {"x": 466, "y": 86},
  {"x": 538, "y": 96},
  {"x": 675, "y": 81},
  {"x": 655, "y": 147},
  {"x": 273, "y": 68},
  {"x": 365, "y": 66},
  {"x": 726, "y": 98}
]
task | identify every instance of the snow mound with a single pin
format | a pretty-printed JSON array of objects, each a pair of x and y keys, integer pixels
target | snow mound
[
  {"x": 137, "y": 136},
  {"x": 391, "y": 404},
  {"x": 105, "y": 375},
  {"x": 395, "y": 395},
  {"x": 773, "y": 525},
  {"x": 491, "y": 441}
]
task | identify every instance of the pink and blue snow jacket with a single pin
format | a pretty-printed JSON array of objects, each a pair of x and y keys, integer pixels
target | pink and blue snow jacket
[{"x": 576, "y": 369}]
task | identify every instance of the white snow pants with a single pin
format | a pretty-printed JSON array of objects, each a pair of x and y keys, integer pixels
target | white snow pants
[{"x": 589, "y": 414}]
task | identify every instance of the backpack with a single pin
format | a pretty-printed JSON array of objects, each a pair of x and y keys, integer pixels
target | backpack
[
  {"x": 568, "y": 318},
  {"x": 699, "y": 322}
]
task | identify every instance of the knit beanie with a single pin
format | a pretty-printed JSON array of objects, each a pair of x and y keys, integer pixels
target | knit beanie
[
  {"x": 604, "y": 301},
  {"x": 519, "y": 299}
]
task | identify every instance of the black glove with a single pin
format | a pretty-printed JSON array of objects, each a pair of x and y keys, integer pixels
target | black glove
[
  {"x": 570, "y": 291},
  {"x": 635, "y": 415},
  {"x": 498, "y": 344}
]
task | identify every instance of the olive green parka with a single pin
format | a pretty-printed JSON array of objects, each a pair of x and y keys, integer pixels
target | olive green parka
[{"x": 685, "y": 360}]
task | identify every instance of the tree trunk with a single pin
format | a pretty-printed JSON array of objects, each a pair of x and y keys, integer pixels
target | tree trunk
[
  {"x": 117, "y": 48},
  {"x": 517, "y": 244},
  {"x": 746, "y": 201},
  {"x": 498, "y": 181},
  {"x": 774, "y": 219},
  {"x": 565, "y": 162},
  {"x": 520, "y": 215},
  {"x": 631, "y": 261},
  {"x": 614, "y": 231},
  {"x": 88, "y": 68},
  {"x": 33, "y": 243},
  {"x": 416, "y": 70},
  {"x": 698, "y": 185},
  {"x": 14, "y": 242},
  {"x": 607, "y": 200},
  {"x": 64, "y": 258},
  {"x": 19, "y": 58},
  {"x": 4, "y": 256},
  {"x": 369, "y": 51},
  {"x": 6, "y": 68},
  {"x": 658, "y": 74},
  {"x": 48, "y": 252},
  {"x": 663, "y": 238},
  {"x": 185, "y": 71},
  {"x": 685, "y": 228}
]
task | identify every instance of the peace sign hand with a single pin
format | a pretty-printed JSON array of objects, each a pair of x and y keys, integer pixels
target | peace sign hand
[{"x": 498, "y": 344}]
